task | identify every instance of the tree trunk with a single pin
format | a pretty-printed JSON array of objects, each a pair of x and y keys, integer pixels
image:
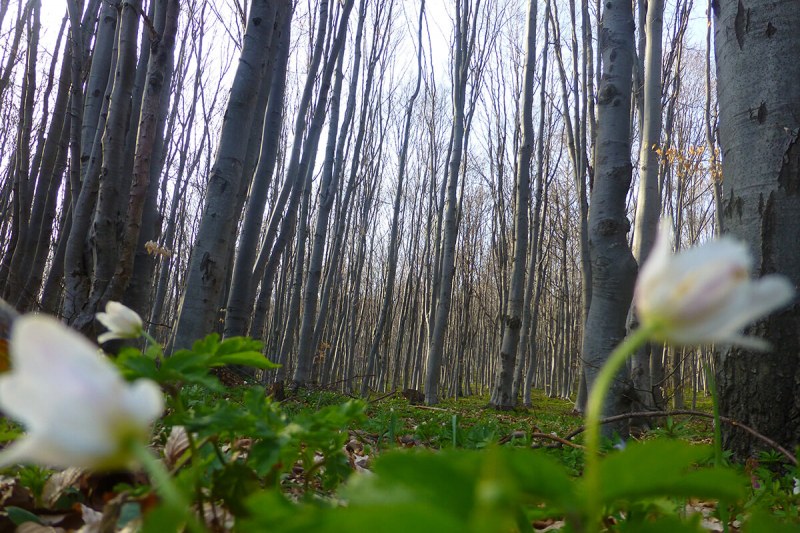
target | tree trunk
[
  {"x": 759, "y": 132},
  {"x": 239, "y": 299},
  {"x": 391, "y": 263},
  {"x": 464, "y": 42},
  {"x": 613, "y": 266},
  {"x": 151, "y": 123},
  {"x": 648, "y": 206},
  {"x": 207, "y": 272},
  {"x": 502, "y": 397}
]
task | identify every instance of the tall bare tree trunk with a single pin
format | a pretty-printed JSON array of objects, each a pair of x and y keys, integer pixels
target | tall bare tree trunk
[
  {"x": 151, "y": 122},
  {"x": 613, "y": 266},
  {"x": 239, "y": 299},
  {"x": 502, "y": 397},
  {"x": 391, "y": 263},
  {"x": 464, "y": 47},
  {"x": 648, "y": 207},
  {"x": 207, "y": 273}
]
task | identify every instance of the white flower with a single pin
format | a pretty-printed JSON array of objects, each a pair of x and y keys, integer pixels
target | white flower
[
  {"x": 705, "y": 294},
  {"x": 75, "y": 406},
  {"x": 122, "y": 323}
]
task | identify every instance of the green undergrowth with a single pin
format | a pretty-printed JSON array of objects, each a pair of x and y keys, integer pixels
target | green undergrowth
[{"x": 322, "y": 461}]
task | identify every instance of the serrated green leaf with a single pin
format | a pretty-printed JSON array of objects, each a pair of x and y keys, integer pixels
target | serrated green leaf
[
  {"x": 207, "y": 345},
  {"x": 239, "y": 344},
  {"x": 134, "y": 365}
]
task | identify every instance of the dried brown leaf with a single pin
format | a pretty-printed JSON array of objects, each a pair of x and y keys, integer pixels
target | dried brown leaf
[
  {"x": 176, "y": 446},
  {"x": 59, "y": 482}
]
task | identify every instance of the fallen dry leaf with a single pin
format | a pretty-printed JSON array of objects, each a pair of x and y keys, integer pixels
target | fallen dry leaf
[{"x": 59, "y": 482}]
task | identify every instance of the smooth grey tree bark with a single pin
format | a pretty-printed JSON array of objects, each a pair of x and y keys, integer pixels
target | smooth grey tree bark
[
  {"x": 299, "y": 166},
  {"x": 139, "y": 291},
  {"x": 502, "y": 397},
  {"x": 181, "y": 182},
  {"x": 613, "y": 266},
  {"x": 648, "y": 206},
  {"x": 285, "y": 205},
  {"x": 151, "y": 121},
  {"x": 84, "y": 187},
  {"x": 328, "y": 189},
  {"x": 464, "y": 42},
  {"x": 239, "y": 302},
  {"x": 533, "y": 293},
  {"x": 759, "y": 132},
  {"x": 207, "y": 273}
]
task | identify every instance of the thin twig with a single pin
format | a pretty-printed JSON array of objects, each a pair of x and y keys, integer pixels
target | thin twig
[{"x": 557, "y": 439}]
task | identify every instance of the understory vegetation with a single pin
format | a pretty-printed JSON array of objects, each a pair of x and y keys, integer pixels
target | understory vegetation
[{"x": 241, "y": 460}]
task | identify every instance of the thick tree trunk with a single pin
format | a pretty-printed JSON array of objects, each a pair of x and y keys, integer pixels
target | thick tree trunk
[
  {"x": 112, "y": 184},
  {"x": 613, "y": 266},
  {"x": 759, "y": 132},
  {"x": 151, "y": 123},
  {"x": 240, "y": 300},
  {"x": 207, "y": 272},
  {"x": 77, "y": 261}
]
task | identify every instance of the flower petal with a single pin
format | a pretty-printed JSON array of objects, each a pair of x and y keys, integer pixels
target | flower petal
[{"x": 144, "y": 400}]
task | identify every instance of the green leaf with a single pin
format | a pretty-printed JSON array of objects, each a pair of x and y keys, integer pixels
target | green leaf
[
  {"x": 666, "y": 468},
  {"x": 270, "y": 511},
  {"x": 233, "y": 484},
  {"x": 253, "y": 359},
  {"x": 762, "y": 522},
  {"x": 413, "y": 478},
  {"x": 207, "y": 346},
  {"x": 233, "y": 345},
  {"x": 19, "y": 516},
  {"x": 541, "y": 477},
  {"x": 134, "y": 365}
]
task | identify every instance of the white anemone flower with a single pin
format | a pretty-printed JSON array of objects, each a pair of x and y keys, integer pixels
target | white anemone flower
[
  {"x": 704, "y": 295},
  {"x": 76, "y": 408},
  {"x": 122, "y": 323}
]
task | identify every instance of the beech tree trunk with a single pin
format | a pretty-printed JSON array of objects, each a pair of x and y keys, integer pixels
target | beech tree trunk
[
  {"x": 648, "y": 206},
  {"x": 759, "y": 133},
  {"x": 502, "y": 397},
  {"x": 208, "y": 266},
  {"x": 613, "y": 266}
]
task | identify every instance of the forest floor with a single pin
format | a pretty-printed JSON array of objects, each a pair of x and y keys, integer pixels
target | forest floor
[{"x": 34, "y": 499}]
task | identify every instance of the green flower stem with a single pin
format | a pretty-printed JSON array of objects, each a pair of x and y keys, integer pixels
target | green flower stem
[
  {"x": 594, "y": 410},
  {"x": 164, "y": 485},
  {"x": 153, "y": 342},
  {"x": 160, "y": 476}
]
